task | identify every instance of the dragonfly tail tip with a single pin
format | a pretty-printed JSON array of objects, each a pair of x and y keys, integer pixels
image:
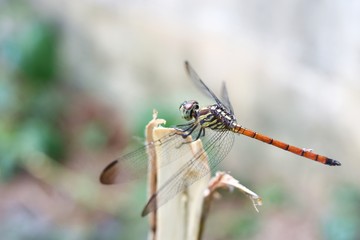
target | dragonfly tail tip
[{"x": 332, "y": 162}]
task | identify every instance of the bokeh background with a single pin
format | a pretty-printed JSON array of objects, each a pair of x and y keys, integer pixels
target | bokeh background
[{"x": 79, "y": 79}]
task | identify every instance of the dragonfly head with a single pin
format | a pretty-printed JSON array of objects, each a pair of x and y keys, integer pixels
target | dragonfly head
[{"x": 189, "y": 109}]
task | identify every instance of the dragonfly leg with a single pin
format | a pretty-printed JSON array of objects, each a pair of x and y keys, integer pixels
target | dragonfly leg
[
  {"x": 200, "y": 134},
  {"x": 189, "y": 131},
  {"x": 185, "y": 124},
  {"x": 189, "y": 126}
]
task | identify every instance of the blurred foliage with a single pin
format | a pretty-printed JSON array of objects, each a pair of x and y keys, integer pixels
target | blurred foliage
[
  {"x": 244, "y": 227},
  {"x": 93, "y": 135},
  {"x": 41, "y": 114},
  {"x": 344, "y": 222},
  {"x": 274, "y": 194},
  {"x": 30, "y": 101}
]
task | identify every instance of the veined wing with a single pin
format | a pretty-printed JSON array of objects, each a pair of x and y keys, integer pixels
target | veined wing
[
  {"x": 199, "y": 83},
  {"x": 135, "y": 164},
  {"x": 217, "y": 146},
  {"x": 206, "y": 90},
  {"x": 225, "y": 98}
]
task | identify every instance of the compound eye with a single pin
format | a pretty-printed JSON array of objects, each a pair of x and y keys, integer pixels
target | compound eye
[
  {"x": 188, "y": 109},
  {"x": 188, "y": 106}
]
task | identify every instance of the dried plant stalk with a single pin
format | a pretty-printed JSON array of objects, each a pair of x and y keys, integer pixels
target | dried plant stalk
[{"x": 179, "y": 218}]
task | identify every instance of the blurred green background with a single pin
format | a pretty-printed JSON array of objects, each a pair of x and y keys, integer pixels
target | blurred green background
[{"x": 78, "y": 79}]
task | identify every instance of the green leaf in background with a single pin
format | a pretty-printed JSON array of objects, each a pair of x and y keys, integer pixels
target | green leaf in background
[
  {"x": 37, "y": 135},
  {"x": 38, "y": 58},
  {"x": 344, "y": 221}
]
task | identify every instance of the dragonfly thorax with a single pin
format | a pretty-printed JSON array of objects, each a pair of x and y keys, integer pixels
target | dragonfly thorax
[
  {"x": 216, "y": 117},
  {"x": 224, "y": 118},
  {"x": 189, "y": 109}
]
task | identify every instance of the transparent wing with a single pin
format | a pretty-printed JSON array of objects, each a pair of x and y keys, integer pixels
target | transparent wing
[
  {"x": 207, "y": 91},
  {"x": 225, "y": 98},
  {"x": 135, "y": 164},
  {"x": 199, "y": 83},
  {"x": 216, "y": 147}
]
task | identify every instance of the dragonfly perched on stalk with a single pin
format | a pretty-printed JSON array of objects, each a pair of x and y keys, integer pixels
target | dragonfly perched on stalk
[{"x": 216, "y": 126}]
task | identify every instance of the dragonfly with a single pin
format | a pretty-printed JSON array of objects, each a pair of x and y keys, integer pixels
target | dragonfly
[{"x": 216, "y": 126}]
